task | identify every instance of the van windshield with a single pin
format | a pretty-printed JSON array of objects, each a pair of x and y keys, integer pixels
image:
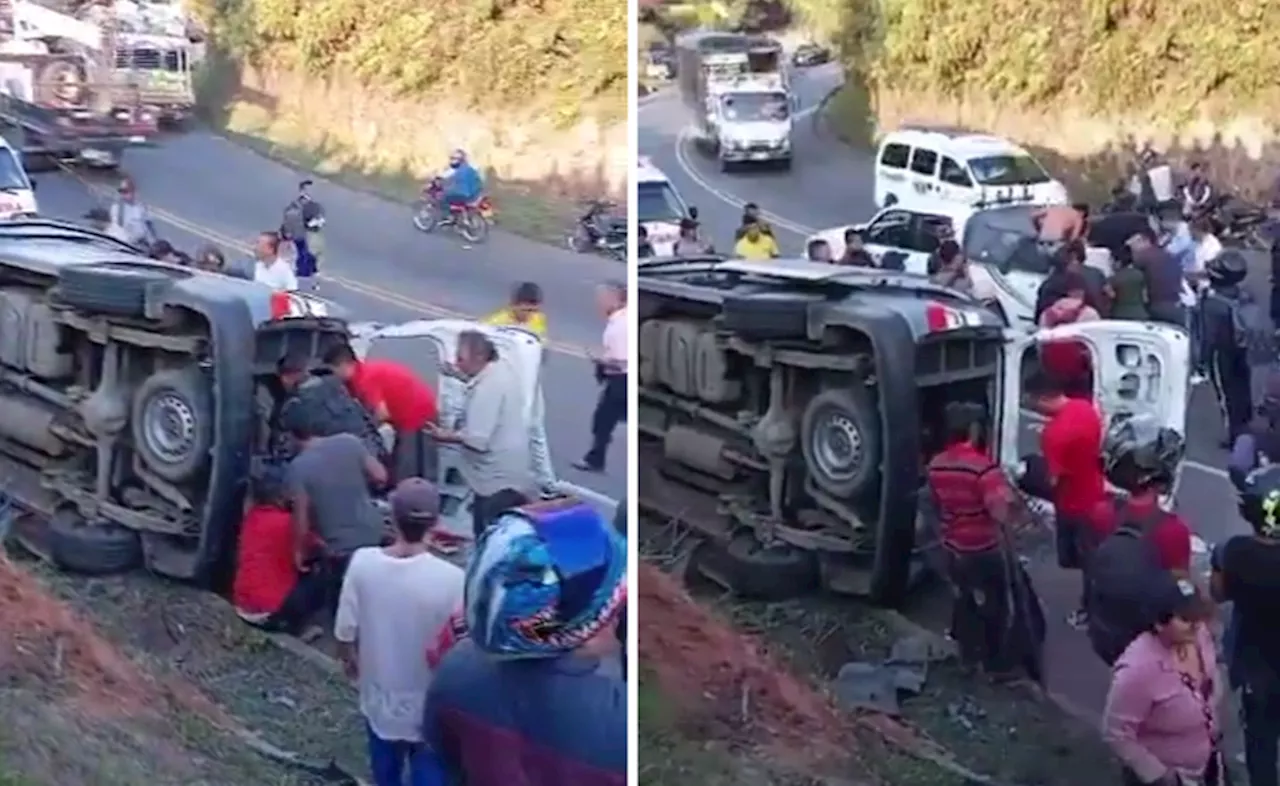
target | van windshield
[
  {"x": 1010, "y": 170},
  {"x": 1007, "y": 238},
  {"x": 12, "y": 178},
  {"x": 755, "y": 107},
  {"x": 658, "y": 202}
]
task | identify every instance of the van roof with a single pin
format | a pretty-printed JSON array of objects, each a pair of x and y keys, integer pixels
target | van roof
[
  {"x": 646, "y": 172},
  {"x": 957, "y": 142},
  {"x": 751, "y": 83}
]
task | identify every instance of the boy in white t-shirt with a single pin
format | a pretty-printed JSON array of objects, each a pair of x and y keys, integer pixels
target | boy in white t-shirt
[
  {"x": 394, "y": 602},
  {"x": 269, "y": 268}
]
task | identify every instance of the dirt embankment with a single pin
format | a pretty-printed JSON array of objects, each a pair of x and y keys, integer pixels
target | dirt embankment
[
  {"x": 1083, "y": 85},
  {"x": 534, "y": 91}
]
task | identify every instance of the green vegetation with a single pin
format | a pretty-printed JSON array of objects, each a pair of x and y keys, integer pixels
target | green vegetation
[
  {"x": 1103, "y": 56},
  {"x": 568, "y": 54}
]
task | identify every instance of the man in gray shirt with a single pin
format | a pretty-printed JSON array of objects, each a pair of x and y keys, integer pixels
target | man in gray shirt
[
  {"x": 494, "y": 432},
  {"x": 329, "y": 485}
]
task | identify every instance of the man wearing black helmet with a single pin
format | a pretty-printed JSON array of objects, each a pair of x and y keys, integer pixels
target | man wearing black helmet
[
  {"x": 1246, "y": 572},
  {"x": 1232, "y": 332},
  {"x": 1148, "y": 547}
]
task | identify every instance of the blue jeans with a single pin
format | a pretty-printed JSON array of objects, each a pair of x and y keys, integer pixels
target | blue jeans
[{"x": 388, "y": 760}]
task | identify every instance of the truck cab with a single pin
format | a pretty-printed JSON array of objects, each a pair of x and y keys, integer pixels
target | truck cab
[{"x": 748, "y": 120}]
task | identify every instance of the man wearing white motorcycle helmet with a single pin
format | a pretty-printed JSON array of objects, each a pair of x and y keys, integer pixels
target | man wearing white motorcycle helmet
[{"x": 461, "y": 183}]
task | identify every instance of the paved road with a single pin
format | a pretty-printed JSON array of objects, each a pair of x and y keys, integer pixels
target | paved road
[
  {"x": 831, "y": 184},
  {"x": 206, "y": 189}
]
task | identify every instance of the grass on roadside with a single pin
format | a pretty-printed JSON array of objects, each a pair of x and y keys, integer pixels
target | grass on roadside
[{"x": 520, "y": 210}]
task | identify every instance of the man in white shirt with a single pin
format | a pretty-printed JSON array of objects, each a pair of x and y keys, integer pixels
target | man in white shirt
[
  {"x": 394, "y": 602},
  {"x": 1206, "y": 249},
  {"x": 129, "y": 218},
  {"x": 269, "y": 268},
  {"x": 611, "y": 373}
]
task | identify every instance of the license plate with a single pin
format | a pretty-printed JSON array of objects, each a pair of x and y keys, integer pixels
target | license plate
[
  {"x": 760, "y": 156},
  {"x": 97, "y": 156},
  {"x": 137, "y": 140}
]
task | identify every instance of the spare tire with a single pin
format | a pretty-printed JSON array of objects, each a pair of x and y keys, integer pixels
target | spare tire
[
  {"x": 112, "y": 288},
  {"x": 172, "y": 422},
  {"x": 840, "y": 440},
  {"x": 97, "y": 549},
  {"x": 769, "y": 315}
]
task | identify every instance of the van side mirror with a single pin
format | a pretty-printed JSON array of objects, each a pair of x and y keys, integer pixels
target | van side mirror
[{"x": 33, "y": 186}]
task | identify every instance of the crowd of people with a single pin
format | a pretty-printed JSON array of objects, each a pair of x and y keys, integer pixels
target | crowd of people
[{"x": 520, "y": 649}]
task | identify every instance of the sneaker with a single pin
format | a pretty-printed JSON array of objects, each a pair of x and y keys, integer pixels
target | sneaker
[
  {"x": 1198, "y": 379},
  {"x": 1078, "y": 619},
  {"x": 586, "y": 466}
]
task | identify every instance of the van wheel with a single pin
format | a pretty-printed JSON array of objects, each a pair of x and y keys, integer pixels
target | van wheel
[
  {"x": 172, "y": 422},
  {"x": 99, "y": 549},
  {"x": 840, "y": 440},
  {"x": 752, "y": 570}
]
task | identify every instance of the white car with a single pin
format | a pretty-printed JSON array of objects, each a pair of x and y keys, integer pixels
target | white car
[
  {"x": 927, "y": 168},
  {"x": 1007, "y": 262},
  {"x": 659, "y": 207},
  {"x": 17, "y": 192}
]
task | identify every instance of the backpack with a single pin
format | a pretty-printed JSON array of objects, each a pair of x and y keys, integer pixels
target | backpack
[
  {"x": 1252, "y": 332},
  {"x": 1120, "y": 576}
]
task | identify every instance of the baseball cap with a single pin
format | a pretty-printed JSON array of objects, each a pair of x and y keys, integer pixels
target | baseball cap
[{"x": 415, "y": 498}]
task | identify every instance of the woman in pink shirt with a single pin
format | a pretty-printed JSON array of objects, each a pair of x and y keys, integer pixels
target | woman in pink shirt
[{"x": 1161, "y": 717}]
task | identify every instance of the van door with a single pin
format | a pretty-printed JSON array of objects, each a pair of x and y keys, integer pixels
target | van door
[
  {"x": 891, "y": 173},
  {"x": 1138, "y": 368},
  {"x": 923, "y": 175},
  {"x": 955, "y": 185}
]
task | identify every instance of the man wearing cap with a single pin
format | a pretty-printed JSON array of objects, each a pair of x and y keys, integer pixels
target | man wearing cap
[
  {"x": 303, "y": 220},
  {"x": 394, "y": 601},
  {"x": 130, "y": 217},
  {"x": 689, "y": 244}
]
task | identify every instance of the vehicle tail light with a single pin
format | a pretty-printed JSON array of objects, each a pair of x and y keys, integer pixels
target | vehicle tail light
[
  {"x": 939, "y": 318},
  {"x": 281, "y": 305}
]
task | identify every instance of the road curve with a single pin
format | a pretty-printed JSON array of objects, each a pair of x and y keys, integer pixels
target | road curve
[
  {"x": 832, "y": 184},
  {"x": 205, "y": 189}
]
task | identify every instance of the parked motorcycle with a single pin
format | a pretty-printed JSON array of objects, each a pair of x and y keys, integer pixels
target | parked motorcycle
[
  {"x": 1242, "y": 226},
  {"x": 597, "y": 230},
  {"x": 471, "y": 220}
]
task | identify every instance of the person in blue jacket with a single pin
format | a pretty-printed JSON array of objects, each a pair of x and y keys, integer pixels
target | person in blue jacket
[{"x": 462, "y": 182}]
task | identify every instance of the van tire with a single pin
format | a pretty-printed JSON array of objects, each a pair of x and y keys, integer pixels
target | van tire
[
  {"x": 118, "y": 290},
  {"x": 850, "y": 409},
  {"x": 99, "y": 549},
  {"x": 751, "y": 570}
]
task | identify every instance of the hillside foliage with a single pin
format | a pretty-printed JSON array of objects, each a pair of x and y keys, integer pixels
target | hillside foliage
[
  {"x": 569, "y": 56},
  {"x": 1174, "y": 60}
]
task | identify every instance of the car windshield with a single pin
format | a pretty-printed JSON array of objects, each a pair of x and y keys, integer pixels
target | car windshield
[
  {"x": 12, "y": 178},
  {"x": 1008, "y": 240},
  {"x": 755, "y": 107},
  {"x": 657, "y": 202},
  {"x": 1009, "y": 170}
]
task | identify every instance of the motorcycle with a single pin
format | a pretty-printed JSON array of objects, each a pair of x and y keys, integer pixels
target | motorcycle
[
  {"x": 599, "y": 231},
  {"x": 471, "y": 220},
  {"x": 1242, "y": 226}
]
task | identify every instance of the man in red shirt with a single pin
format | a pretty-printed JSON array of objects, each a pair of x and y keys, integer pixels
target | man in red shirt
[
  {"x": 976, "y": 508},
  {"x": 1071, "y": 446},
  {"x": 396, "y": 396},
  {"x": 268, "y": 591}
]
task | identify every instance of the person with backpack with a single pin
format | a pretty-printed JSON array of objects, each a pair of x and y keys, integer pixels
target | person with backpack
[
  {"x": 1235, "y": 336},
  {"x": 1148, "y": 549},
  {"x": 1246, "y": 573},
  {"x": 996, "y": 618}
]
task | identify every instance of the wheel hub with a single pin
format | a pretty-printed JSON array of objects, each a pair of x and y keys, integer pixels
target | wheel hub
[
  {"x": 170, "y": 427},
  {"x": 838, "y": 446}
]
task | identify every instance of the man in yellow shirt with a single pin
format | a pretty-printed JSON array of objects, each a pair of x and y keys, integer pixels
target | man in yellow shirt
[
  {"x": 524, "y": 311},
  {"x": 755, "y": 244}
]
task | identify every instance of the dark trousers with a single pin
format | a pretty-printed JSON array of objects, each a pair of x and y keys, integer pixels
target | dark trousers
[
  {"x": 611, "y": 409},
  {"x": 1232, "y": 381},
  {"x": 488, "y": 507},
  {"x": 1260, "y": 711},
  {"x": 1172, "y": 313},
  {"x": 980, "y": 615},
  {"x": 333, "y": 570},
  {"x": 305, "y": 264},
  {"x": 413, "y": 456},
  {"x": 307, "y": 598}
]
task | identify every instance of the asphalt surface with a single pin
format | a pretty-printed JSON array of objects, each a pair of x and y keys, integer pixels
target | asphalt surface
[
  {"x": 204, "y": 189},
  {"x": 831, "y": 184}
]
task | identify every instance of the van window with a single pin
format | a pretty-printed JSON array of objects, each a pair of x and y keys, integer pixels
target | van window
[
  {"x": 924, "y": 162},
  {"x": 12, "y": 175},
  {"x": 953, "y": 174},
  {"x": 891, "y": 228},
  {"x": 657, "y": 201},
  {"x": 895, "y": 156}
]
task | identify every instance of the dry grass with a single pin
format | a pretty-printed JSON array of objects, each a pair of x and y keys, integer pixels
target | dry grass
[
  {"x": 537, "y": 172},
  {"x": 1088, "y": 152},
  {"x": 75, "y": 710}
]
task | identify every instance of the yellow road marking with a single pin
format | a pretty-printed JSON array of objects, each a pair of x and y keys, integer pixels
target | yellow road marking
[{"x": 368, "y": 290}]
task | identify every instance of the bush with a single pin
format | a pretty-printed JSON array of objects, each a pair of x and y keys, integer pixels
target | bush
[
  {"x": 562, "y": 54},
  {"x": 1175, "y": 61}
]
